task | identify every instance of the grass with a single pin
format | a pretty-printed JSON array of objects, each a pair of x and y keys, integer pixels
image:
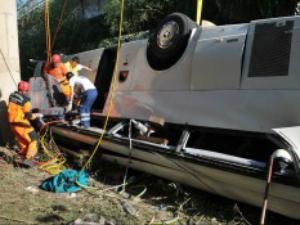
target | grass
[{"x": 22, "y": 202}]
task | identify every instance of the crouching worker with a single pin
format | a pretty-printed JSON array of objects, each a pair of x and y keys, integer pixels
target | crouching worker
[
  {"x": 19, "y": 117},
  {"x": 88, "y": 95}
]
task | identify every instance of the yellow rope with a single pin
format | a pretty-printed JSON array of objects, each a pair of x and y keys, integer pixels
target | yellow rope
[
  {"x": 56, "y": 162},
  {"x": 60, "y": 21},
  {"x": 47, "y": 31},
  {"x": 111, "y": 96},
  {"x": 199, "y": 11}
]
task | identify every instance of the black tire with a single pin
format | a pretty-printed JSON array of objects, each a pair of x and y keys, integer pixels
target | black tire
[{"x": 161, "y": 57}]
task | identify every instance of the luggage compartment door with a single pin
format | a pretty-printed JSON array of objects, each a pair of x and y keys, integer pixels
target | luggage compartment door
[{"x": 217, "y": 61}]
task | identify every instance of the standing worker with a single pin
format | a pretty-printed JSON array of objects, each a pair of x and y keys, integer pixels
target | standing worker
[
  {"x": 74, "y": 66},
  {"x": 88, "y": 95},
  {"x": 19, "y": 117}
]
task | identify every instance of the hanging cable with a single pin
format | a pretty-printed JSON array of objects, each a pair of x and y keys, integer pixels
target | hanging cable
[
  {"x": 8, "y": 69},
  {"x": 47, "y": 32},
  {"x": 199, "y": 11},
  {"x": 112, "y": 94},
  {"x": 60, "y": 20},
  {"x": 54, "y": 161}
]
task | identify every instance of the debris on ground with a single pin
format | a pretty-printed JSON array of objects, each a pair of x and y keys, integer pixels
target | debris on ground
[
  {"x": 128, "y": 208},
  {"x": 159, "y": 201},
  {"x": 94, "y": 219},
  {"x": 32, "y": 189},
  {"x": 7, "y": 155}
]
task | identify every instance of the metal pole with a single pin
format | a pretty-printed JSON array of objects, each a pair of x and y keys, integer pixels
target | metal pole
[
  {"x": 267, "y": 189},
  {"x": 129, "y": 156}
]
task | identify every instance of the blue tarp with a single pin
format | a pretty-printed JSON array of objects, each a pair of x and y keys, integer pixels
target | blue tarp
[{"x": 66, "y": 181}]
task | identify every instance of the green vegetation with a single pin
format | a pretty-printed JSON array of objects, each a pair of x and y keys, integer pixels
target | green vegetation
[
  {"x": 144, "y": 14},
  {"x": 73, "y": 35},
  {"x": 22, "y": 202},
  {"x": 78, "y": 34}
]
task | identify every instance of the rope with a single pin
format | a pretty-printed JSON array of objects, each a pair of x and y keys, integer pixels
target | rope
[
  {"x": 8, "y": 69},
  {"x": 199, "y": 11},
  {"x": 59, "y": 23},
  {"x": 111, "y": 96},
  {"x": 56, "y": 161},
  {"x": 47, "y": 32}
]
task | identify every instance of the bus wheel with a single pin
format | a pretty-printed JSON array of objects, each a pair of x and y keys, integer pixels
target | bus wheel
[{"x": 167, "y": 44}]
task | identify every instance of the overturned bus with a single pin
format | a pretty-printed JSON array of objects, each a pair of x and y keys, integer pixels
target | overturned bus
[{"x": 204, "y": 106}]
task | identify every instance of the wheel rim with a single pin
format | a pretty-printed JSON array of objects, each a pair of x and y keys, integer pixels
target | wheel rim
[{"x": 167, "y": 34}]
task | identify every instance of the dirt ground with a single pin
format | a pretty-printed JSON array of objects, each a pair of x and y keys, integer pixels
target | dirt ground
[{"x": 160, "y": 201}]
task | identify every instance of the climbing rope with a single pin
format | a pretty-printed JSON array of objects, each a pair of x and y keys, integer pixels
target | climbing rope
[
  {"x": 60, "y": 21},
  {"x": 112, "y": 94},
  {"x": 49, "y": 43},
  {"x": 53, "y": 161},
  {"x": 199, "y": 11},
  {"x": 47, "y": 32},
  {"x": 55, "y": 164}
]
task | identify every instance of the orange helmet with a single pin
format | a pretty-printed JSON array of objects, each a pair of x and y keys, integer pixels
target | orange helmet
[
  {"x": 56, "y": 58},
  {"x": 23, "y": 86}
]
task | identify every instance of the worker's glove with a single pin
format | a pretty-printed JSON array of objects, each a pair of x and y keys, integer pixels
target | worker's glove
[
  {"x": 35, "y": 116},
  {"x": 69, "y": 108},
  {"x": 38, "y": 115}
]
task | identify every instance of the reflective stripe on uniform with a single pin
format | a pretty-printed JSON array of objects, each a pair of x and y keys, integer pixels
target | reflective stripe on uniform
[
  {"x": 18, "y": 98},
  {"x": 85, "y": 117}
]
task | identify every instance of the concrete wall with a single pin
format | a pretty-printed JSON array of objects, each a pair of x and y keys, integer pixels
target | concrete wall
[
  {"x": 9, "y": 48},
  {"x": 9, "y": 61}
]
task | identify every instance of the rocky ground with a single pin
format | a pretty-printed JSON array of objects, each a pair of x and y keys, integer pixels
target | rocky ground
[{"x": 145, "y": 200}]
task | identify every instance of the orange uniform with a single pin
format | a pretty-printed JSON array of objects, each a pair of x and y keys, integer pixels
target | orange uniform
[
  {"x": 18, "y": 116},
  {"x": 59, "y": 71},
  {"x": 66, "y": 89}
]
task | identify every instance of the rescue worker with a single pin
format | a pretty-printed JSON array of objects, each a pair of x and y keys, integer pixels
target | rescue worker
[
  {"x": 88, "y": 95},
  {"x": 66, "y": 89},
  {"x": 74, "y": 66},
  {"x": 19, "y": 117},
  {"x": 57, "y": 69}
]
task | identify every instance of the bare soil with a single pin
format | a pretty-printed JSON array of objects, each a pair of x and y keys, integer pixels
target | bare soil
[{"x": 163, "y": 202}]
